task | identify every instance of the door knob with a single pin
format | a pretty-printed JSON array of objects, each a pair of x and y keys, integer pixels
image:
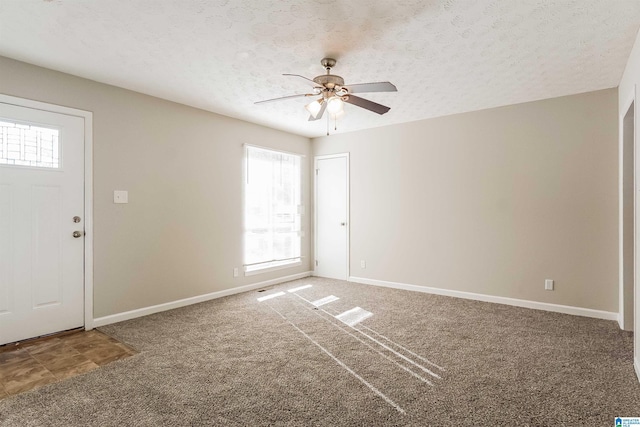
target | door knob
[
  {"x": 343, "y": 224},
  {"x": 77, "y": 234}
]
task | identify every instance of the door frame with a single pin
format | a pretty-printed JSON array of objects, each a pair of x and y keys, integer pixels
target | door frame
[
  {"x": 624, "y": 234},
  {"x": 87, "y": 116},
  {"x": 315, "y": 210}
]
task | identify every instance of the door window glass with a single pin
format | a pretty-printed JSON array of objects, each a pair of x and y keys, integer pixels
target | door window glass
[{"x": 29, "y": 145}]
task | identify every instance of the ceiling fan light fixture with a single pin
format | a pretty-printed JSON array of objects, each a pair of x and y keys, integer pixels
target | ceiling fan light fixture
[
  {"x": 314, "y": 107},
  {"x": 335, "y": 105}
]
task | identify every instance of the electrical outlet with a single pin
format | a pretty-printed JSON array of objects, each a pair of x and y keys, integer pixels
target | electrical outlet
[
  {"x": 363, "y": 263},
  {"x": 548, "y": 284},
  {"x": 235, "y": 272},
  {"x": 120, "y": 196}
]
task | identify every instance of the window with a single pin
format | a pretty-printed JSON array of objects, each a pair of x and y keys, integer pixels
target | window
[
  {"x": 28, "y": 145},
  {"x": 271, "y": 210}
]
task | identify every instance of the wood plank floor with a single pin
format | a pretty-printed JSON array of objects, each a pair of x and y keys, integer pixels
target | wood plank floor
[{"x": 32, "y": 364}]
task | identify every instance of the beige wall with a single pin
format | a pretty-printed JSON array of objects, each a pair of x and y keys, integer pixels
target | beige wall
[
  {"x": 491, "y": 202},
  {"x": 181, "y": 233},
  {"x": 627, "y": 93}
]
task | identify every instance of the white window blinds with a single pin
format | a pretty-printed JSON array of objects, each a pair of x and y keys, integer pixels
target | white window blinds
[{"x": 272, "y": 209}]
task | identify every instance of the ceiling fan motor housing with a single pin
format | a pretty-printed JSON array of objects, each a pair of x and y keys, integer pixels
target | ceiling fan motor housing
[{"x": 329, "y": 81}]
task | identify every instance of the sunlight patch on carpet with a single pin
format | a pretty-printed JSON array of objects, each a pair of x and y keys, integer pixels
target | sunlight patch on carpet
[
  {"x": 325, "y": 300},
  {"x": 267, "y": 297},
  {"x": 342, "y": 364},
  {"x": 354, "y": 316},
  {"x": 299, "y": 288}
]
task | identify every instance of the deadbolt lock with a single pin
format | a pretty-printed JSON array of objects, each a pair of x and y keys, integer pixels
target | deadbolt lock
[{"x": 76, "y": 219}]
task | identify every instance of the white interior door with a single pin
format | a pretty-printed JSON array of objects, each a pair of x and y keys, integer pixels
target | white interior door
[
  {"x": 332, "y": 216},
  {"x": 41, "y": 191}
]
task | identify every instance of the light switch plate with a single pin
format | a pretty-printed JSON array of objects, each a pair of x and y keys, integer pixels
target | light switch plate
[{"x": 120, "y": 196}]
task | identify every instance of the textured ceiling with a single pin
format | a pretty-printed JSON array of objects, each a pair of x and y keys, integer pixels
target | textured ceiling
[{"x": 444, "y": 56}]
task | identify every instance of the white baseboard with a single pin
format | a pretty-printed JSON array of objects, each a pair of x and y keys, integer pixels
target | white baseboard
[
  {"x": 127, "y": 315},
  {"x": 636, "y": 365},
  {"x": 566, "y": 309},
  {"x": 620, "y": 322}
]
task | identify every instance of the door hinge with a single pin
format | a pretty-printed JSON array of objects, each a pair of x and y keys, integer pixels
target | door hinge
[
  {"x": 317, "y": 171},
  {"x": 316, "y": 263}
]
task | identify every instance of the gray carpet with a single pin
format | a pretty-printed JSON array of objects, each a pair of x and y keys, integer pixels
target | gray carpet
[{"x": 419, "y": 360}]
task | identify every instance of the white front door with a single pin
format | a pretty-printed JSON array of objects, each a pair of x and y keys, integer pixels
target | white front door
[
  {"x": 41, "y": 191},
  {"x": 332, "y": 212}
]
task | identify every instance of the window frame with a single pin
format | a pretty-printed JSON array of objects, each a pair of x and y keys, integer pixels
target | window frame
[{"x": 268, "y": 266}]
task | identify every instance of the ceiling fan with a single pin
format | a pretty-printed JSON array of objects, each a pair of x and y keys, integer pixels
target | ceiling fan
[{"x": 332, "y": 93}]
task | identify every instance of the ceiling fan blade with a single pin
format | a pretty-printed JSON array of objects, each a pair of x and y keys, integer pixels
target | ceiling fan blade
[
  {"x": 320, "y": 113},
  {"x": 285, "y": 97},
  {"x": 366, "y": 104},
  {"x": 371, "y": 87},
  {"x": 302, "y": 77}
]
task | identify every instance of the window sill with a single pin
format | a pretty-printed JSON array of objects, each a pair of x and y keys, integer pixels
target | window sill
[{"x": 274, "y": 268}]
